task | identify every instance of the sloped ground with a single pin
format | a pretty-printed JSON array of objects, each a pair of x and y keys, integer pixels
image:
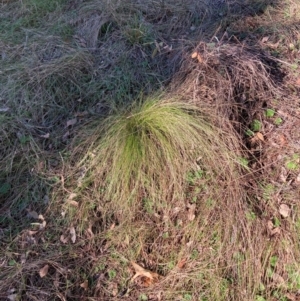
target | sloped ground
[{"x": 66, "y": 65}]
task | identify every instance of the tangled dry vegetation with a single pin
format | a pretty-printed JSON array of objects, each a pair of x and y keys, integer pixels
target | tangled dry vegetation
[{"x": 138, "y": 151}]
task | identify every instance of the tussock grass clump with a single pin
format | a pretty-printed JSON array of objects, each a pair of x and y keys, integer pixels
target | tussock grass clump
[{"x": 148, "y": 152}]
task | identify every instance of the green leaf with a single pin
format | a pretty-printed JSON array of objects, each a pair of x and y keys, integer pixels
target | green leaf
[
  {"x": 270, "y": 113},
  {"x": 291, "y": 165},
  {"x": 273, "y": 261},
  {"x": 244, "y": 162},
  {"x": 143, "y": 297},
  {"x": 256, "y": 125},
  {"x": 259, "y": 298},
  {"x": 276, "y": 222},
  {"x": 112, "y": 274},
  {"x": 12, "y": 262},
  {"x": 187, "y": 297},
  {"x": 249, "y": 133},
  {"x": 278, "y": 121},
  {"x": 24, "y": 139}
]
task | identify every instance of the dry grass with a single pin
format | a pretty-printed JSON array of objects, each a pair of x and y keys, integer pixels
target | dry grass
[
  {"x": 232, "y": 78},
  {"x": 163, "y": 181}
]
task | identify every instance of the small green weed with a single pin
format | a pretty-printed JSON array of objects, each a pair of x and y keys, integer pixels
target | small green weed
[
  {"x": 143, "y": 297},
  {"x": 293, "y": 278},
  {"x": 244, "y": 162},
  {"x": 256, "y": 125},
  {"x": 249, "y": 133},
  {"x": 193, "y": 176},
  {"x": 111, "y": 274},
  {"x": 273, "y": 261},
  {"x": 187, "y": 297},
  {"x": 278, "y": 121},
  {"x": 138, "y": 33},
  {"x": 148, "y": 205},
  {"x": 292, "y": 163},
  {"x": 276, "y": 222},
  {"x": 259, "y": 298},
  {"x": 268, "y": 191},
  {"x": 250, "y": 215},
  {"x": 269, "y": 113}
]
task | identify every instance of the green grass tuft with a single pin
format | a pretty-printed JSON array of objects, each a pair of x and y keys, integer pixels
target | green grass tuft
[{"x": 149, "y": 152}]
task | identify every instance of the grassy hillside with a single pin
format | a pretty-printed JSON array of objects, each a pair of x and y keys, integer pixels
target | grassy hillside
[{"x": 149, "y": 150}]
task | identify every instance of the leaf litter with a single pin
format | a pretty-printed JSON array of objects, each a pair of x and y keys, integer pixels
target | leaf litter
[
  {"x": 73, "y": 234},
  {"x": 44, "y": 271},
  {"x": 148, "y": 278}
]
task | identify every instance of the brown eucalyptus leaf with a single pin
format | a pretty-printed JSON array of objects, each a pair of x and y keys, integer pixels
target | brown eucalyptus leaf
[
  {"x": 63, "y": 239},
  {"x": 12, "y": 297},
  {"x": 73, "y": 234},
  {"x": 46, "y": 136},
  {"x": 284, "y": 210},
  {"x": 85, "y": 285},
  {"x": 148, "y": 277},
  {"x": 71, "y": 122},
  {"x": 44, "y": 271}
]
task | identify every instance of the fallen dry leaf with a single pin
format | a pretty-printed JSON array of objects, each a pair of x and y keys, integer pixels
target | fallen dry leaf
[
  {"x": 63, "y": 239},
  {"x": 275, "y": 231},
  {"x": 73, "y": 203},
  {"x": 272, "y": 229},
  {"x": 72, "y": 196},
  {"x": 71, "y": 122},
  {"x": 12, "y": 297},
  {"x": 182, "y": 263},
  {"x": 113, "y": 288},
  {"x": 148, "y": 278},
  {"x": 191, "y": 212},
  {"x": 46, "y": 136},
  {"x": 270, "y": 225},
  {"x": 40, "y": 217},
  {"x": 199, "y": 58},
  {"x": 44, "y": 271},
  {"x": 284, "y": 210},
  {"x": 43, "y": 225},
  {"x": 283, "y": 175},
  {"x": 282, "y": 140},
  {"x": 298, "y": 81},
  {"x": 23, "y": 258},
  {"x": 85, "y": 285},
  {"x": 89, "y": 231},
  {"x": 291, "y": 297},
  {"x": 73, "y": 234},
  {"x": 265, "y": 39},
  {"x": 32, "y": 232},
  {"x": 277, "y": 278},
  {"x": 194, "y": 55},
  {"x": 260, "y": 136}
]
